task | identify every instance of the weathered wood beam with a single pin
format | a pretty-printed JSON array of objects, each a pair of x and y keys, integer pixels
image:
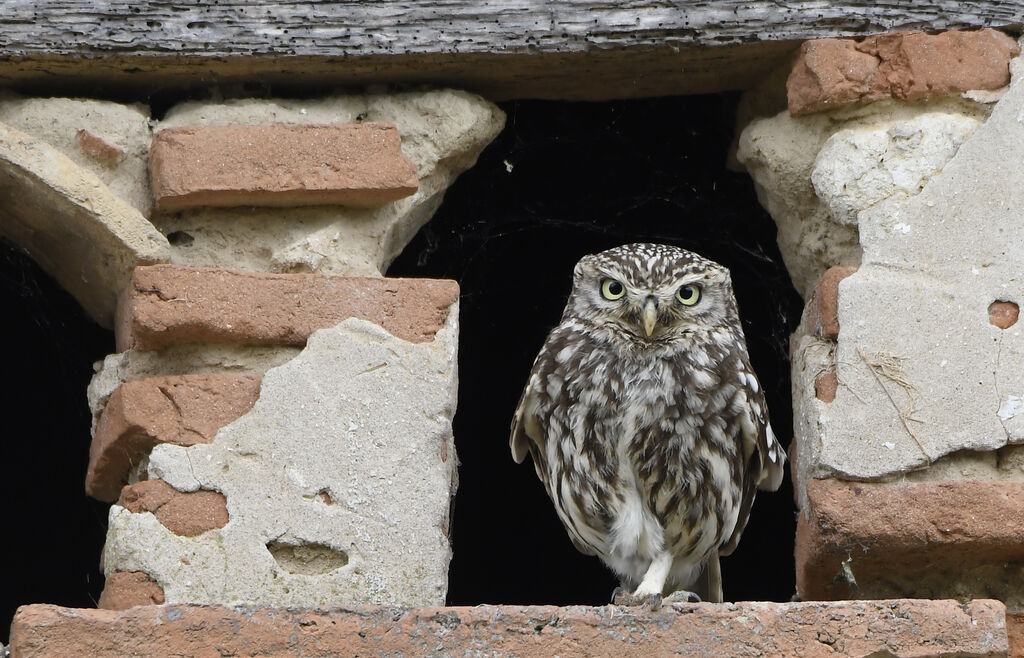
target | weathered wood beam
[{"x": 571, "y": 49}]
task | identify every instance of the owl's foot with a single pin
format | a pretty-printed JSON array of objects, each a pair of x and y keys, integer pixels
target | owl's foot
[
  {"x": 682, "y": 596},
  {"x": 621, "y": 596}
]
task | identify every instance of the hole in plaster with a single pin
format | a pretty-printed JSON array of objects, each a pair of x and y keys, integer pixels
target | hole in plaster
[
  {"x": 307, "y": 559},
  {"x": 323, "y": 496},
  {"x": 1003, "y": 314},
  {"x": 825, "y": 386},
  {"x": 180, "y": 238}
]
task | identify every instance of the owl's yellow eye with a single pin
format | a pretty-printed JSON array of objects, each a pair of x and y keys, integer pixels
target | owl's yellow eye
[
  {"x": 612, "y": 289},
  {"x": 688, "y": 295}
]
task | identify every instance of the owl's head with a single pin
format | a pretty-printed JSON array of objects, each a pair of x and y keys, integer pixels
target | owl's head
[{"x": 652, "y": 293}]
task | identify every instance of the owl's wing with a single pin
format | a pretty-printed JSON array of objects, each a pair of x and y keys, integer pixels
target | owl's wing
[
  {"x": 529, "y": 436},
  {"x": 525, "y": 424},
  {"x": 765, "y": 456}
]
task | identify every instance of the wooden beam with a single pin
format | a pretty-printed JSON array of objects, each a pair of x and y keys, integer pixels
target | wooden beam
[{"x": 568, "y": 49}]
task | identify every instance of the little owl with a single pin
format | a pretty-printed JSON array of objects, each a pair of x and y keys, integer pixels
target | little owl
[{"x": 646, "y": 423}]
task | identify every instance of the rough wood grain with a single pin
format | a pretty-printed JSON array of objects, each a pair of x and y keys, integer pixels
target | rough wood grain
[{"x": 515, "y": 48}]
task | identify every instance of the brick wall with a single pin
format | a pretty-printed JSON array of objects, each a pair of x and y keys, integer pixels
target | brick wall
[
  {"x": 887, "y": 176},
  {"x": 275, "y": 429}
]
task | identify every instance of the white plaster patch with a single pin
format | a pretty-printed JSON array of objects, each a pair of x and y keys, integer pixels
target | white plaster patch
[
  {"x": 816, "y": 173},
  {"x": 1010, "y": 407},
  {"x": 336, "y": 489},
  {"x": 893, "y": 390},
  {"x": 858, "y": 167},
  {"x": 57, "y": 121},
  {"x": 924, "y": 380}
]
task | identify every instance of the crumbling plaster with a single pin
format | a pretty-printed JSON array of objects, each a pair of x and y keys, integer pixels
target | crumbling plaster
[
  {"x": 923, "y": 198},
  {"x": 336, "y": 493}
]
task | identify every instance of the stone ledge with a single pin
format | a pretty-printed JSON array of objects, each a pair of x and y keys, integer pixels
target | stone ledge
[
  {"x": 359, "y": 165},
  {"x": 168, "y": 304},
  {"x": 833, "y": 73},
  {"x": 891, "y": 628},
  {"x": 927, "y": 540},
  {"x": 183, "y": 409}
]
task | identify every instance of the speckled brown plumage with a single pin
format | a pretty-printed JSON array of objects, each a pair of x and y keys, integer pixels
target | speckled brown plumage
[{"x": 645, "y": 421}]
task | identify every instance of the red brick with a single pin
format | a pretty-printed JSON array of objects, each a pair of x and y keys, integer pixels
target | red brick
[
  {"x": 823, "y": 305},
  {"x": 850, "y": 628},
  {"x": 127, "y": 589},
  {"x": 825, "y": 386},
  {"x": 927, "y": 540},
  {"x": 169, "y": 304},
  {"x": 1003, "y": 314},
  {"x": 832, "y": 73},
  {"x": 98, "y": 148},
  {"x": 185, "y": 514},
  {"x": 184, "y": 410},
  {"x": 359, "y": 164}
]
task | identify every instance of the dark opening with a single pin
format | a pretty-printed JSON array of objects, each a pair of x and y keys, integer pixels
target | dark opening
[
  {"x": 562, "y": 180},
  {"x": 52, "y": 533}
]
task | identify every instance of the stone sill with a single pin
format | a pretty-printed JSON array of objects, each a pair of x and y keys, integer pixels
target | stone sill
[{"x": 899, "y": 627}]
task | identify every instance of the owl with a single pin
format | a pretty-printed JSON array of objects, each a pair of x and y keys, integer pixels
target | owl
[{"x": 646, "y": 423}]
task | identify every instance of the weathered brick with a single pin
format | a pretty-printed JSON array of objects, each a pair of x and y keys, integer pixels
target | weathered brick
[
  {"x": 1003, "y": 314},
  {"x": 280, "y": 165},
  {"x": 185, "y": 514},
  {"x": 825, "y": 386},
  {"x": 823, "y": 305},
  {"x": 927, "y": 540},
  {"x": 850, "y": 628},
  {"x": 169, "y": 304},
  {"x": 184, "y": 410},
  {"x": 98, "y": 148},
  {"x": 127, "y": 589},
  {"x": 832, "y": 73}
]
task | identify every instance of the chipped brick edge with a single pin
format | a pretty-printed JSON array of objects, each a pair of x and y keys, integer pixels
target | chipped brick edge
[
  {"x": 143, "y": 412},
  {"x": 879, "y": 539},
  {"x": 166, "y": 305}
]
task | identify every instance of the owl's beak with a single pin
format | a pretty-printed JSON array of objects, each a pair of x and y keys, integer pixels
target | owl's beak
[{"x": 650, "y": 316}]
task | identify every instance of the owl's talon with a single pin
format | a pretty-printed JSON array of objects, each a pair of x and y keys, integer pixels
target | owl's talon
[
  {"x": 625, "y": 598},
  {"x": 683, "y": 596}
]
